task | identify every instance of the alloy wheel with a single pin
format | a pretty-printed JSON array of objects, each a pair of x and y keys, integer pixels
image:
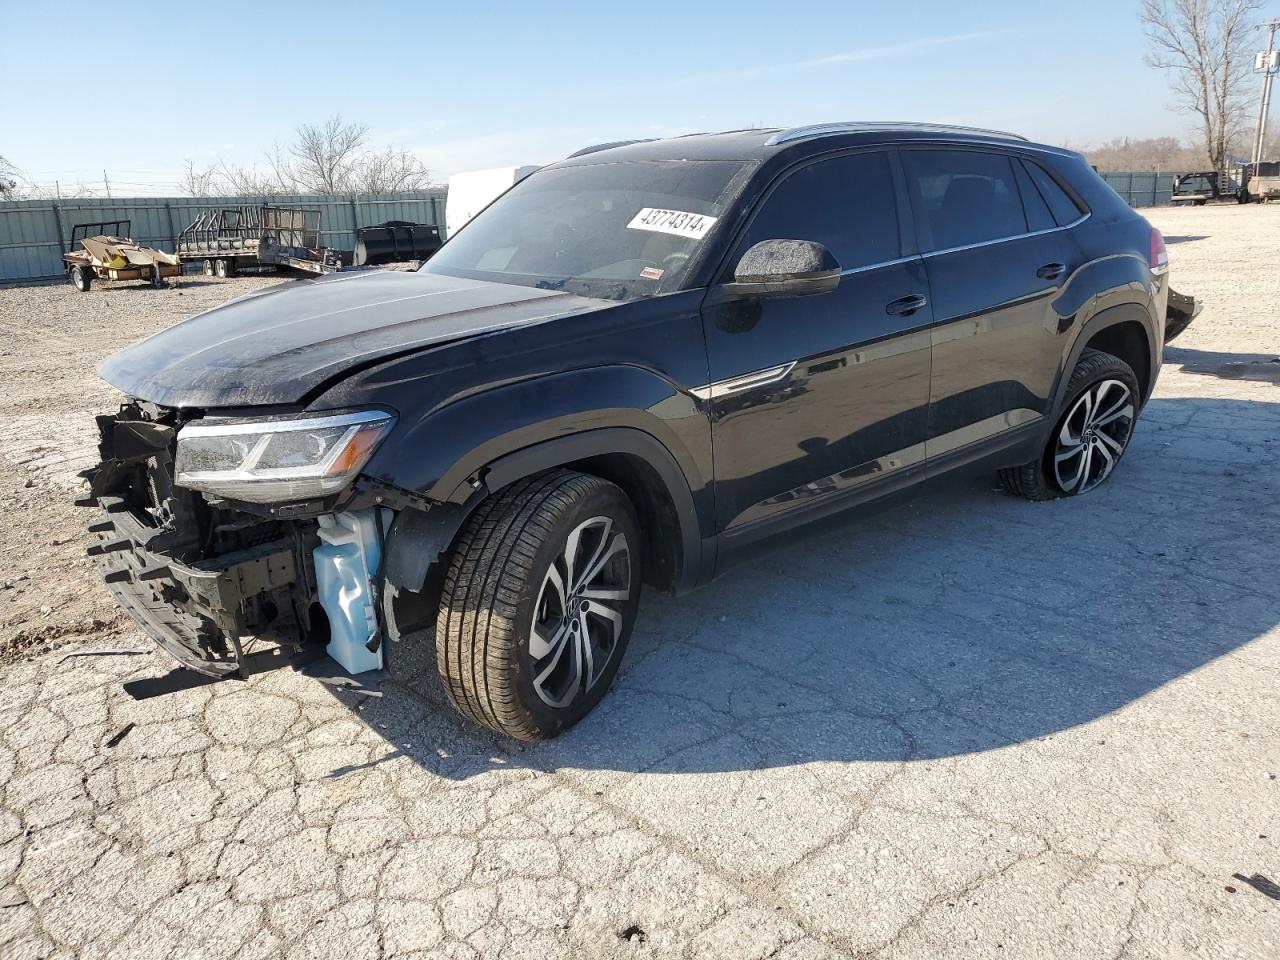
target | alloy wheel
[
  {"x": 578, "y": 618},
  {"x": 1093, "y": 436}
]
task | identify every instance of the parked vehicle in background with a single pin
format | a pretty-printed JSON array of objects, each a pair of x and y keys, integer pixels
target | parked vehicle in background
[
  {"x": 227, "y": 239},
  {"x": 1197, "y": 188},
  {"x": 104, "y": 251},
  {"x": 1261, "y": 181},
  {"x": 630, "y": 367}
]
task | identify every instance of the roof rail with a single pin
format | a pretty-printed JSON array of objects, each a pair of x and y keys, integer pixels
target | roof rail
[
  {"x": 597, "y": 147},
  {"x": 856, "y": 126}
]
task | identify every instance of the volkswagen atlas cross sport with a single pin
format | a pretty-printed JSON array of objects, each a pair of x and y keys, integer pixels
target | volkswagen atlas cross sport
[{"x": 631, "y": 365}]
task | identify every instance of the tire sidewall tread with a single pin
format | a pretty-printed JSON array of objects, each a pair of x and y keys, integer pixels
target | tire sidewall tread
[
  {"x": 1034, "y": 480},
  {"x": 490, "y": 591}
]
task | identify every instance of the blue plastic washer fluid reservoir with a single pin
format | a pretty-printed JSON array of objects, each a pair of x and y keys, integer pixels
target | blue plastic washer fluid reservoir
[{"x": 346, "y": 561}]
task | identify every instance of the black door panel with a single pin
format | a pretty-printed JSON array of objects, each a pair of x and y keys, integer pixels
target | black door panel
[
  {"x": 996, "y": 267},
  {"x": 841, "y": 395},
  {"x": 811, "y": 396},
  {"x": 996, "y": 339}
]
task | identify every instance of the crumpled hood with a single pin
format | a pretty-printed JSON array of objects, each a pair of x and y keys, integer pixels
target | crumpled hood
[{"x": 278, "y": 345}]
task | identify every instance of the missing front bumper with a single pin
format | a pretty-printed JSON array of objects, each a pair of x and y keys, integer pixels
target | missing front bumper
[{"x": 198, "y": 611}]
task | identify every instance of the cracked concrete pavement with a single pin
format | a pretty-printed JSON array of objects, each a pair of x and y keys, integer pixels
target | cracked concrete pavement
[{"x": 970, "y": 726}]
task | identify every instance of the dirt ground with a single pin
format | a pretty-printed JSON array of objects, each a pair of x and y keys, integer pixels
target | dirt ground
[{"x": 967, "y": 727}]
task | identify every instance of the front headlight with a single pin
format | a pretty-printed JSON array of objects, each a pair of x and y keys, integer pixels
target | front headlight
[{"x": 276, "y": 460}]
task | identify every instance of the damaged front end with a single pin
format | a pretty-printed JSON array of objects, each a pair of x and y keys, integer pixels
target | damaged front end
[{"x": 239, "y": 545}]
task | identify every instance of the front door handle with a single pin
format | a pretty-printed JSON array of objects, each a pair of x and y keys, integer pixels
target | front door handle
[
  {"x": 906, "y": 306},
  {"x": 1051, "y": 271}
]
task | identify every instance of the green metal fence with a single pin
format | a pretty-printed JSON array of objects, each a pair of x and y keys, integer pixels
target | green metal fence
[
  {"x": 35, "y": 233},
  {"x": 1142, "y": 188}
]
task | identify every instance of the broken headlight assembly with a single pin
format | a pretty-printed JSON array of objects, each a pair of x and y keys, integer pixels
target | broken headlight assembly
[{"x": 270, "y": 461}]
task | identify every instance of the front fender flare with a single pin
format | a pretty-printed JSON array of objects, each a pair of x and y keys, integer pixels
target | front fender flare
[{"x": 419, "y": 540}]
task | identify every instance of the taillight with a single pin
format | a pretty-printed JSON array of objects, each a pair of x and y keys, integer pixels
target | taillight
[{"x": 1159, "y": 258}]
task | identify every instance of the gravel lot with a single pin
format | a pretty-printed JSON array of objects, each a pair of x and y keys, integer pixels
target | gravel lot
[{"x": 969, "y": 727}]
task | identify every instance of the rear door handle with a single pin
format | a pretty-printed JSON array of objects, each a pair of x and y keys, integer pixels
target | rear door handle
[
  {"x": 1051, "y": 271},
  {"x": 906, "y": 306}
]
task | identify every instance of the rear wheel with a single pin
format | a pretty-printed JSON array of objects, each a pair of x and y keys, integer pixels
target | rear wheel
[
  {"x": 1089, "y": 438},
  {"x": 207, "y": 267},
  {"x": 538, "y": 603},
  {"x": 224, "y": 268},
  {"x": 81, "y": 278}
]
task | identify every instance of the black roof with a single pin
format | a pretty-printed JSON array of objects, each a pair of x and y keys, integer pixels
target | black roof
[{"x": 767, "y": 142}]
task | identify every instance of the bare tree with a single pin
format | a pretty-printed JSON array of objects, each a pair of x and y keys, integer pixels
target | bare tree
[
  {"x": 330, "y": 158},
  {"x": 325, "y": 157},
  {"x": 243, "y": 181},
  {"x": 1204, "y": 42},
  {"x": 10, "y": 176},
  {"x": 199, "y": 182},
  {"x": 1153, "y": 153},
  {"x": 391, "y": 171}
]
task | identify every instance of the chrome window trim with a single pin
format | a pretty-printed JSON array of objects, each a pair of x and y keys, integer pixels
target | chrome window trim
[
  {"x": 882, "y": 263},
  {"x": 1017, "y": 236}
]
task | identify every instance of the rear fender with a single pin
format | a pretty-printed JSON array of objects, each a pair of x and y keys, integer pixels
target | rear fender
[{"x": 1110, "y": 317}]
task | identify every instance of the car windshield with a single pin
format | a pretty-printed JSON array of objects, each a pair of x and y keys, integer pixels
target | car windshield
[{"x": 617, "y": 231}]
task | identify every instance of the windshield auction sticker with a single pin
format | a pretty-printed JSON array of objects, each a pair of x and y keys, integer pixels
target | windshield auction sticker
[{"x": 677, "y": 222}]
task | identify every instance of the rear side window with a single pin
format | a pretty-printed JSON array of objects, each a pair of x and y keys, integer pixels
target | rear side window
[
  {"x": 1064, "y": 209},
  {"x": 847, "y": 204},
  {"x": 966, "y": 197},
  {"x": 1038, "y": 215}
]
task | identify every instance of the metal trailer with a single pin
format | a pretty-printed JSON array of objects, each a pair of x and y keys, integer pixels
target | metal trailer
[
  {"x": 104, "y": 251},
  {"x": 1198, "y": 188},
  {"x": 1260, "y": 182},
  {"x": 226, "y": 239}
]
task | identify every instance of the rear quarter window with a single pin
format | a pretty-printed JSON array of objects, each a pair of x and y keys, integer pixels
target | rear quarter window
[
  {"x": 1064, "y": 209},
  {"x": 1039, "y": 216}
]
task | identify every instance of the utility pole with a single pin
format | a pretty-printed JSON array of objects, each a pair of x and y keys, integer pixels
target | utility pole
[
  {"x": 1267, "y": 63},
  {"x": 106, "y": 183}
]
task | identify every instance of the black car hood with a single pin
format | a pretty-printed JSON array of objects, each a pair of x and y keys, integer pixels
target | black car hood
[{"x": 279, "y": 345}]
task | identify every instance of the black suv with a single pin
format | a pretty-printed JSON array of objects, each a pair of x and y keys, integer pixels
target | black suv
[{"x": 630, "y": 366}]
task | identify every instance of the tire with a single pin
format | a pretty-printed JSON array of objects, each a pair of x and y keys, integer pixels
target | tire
[
  {"x": 207, "y": 267},
  {"x": 224, "y": 268},
  {"x": 1101, "y": 409},
  {"x": 81, "y": 278},
  {"x": 509, "y": 575}
]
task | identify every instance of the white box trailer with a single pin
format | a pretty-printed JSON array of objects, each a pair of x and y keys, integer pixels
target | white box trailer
[{"x": 471, "y": 192}]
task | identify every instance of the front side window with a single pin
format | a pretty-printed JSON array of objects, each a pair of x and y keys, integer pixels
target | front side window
[
  {"x": 617, "y": 231},
  {"x": 965, "y": 197},
  {"x": 847, "y": 204}
]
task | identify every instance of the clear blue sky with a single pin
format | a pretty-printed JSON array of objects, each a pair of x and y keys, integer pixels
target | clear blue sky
[{"x": 471, "y": 85}]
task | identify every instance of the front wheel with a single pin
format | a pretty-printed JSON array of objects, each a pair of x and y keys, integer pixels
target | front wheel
[
  {"x": 538, "y": 603},
  {"x": 1089, "y": 438}
]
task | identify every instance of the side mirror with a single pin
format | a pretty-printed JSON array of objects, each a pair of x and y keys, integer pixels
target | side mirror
[{"x": 784, "y": 268}]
